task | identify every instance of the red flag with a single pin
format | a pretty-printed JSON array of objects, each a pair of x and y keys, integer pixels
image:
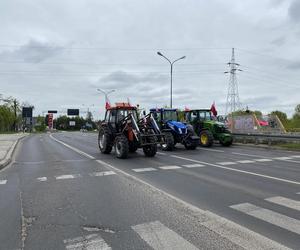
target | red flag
[
  {"x": 186, "y": 109},
  {"x": 213, "y": 109},
  {"x": 107, "y": 105}
]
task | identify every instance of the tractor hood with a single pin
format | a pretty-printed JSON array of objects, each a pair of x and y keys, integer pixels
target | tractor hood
[{"x": 177, "y": 127}]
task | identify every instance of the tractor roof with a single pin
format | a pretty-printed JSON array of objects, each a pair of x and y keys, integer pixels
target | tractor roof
[
  {"x": 192, "y": 110},
  {"x": 122, "y": 105},
  {"x": 162, "y": 109}
]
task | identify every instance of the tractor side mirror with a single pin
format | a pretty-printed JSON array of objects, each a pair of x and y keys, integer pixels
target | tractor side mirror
[{"x": 144, "y": 112}]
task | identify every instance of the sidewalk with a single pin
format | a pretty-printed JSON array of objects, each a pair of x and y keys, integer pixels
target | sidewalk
[{"x": 8, "y": 143}]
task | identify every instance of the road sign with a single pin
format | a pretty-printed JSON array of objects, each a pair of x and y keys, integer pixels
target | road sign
[
  {"x": 72, "y": 123},
  {"x": 73, "y": 111},
  {"x": 26, "y": 112},
  {"x": 50, "y": 121},
  {"x": 52, "y": 111}
]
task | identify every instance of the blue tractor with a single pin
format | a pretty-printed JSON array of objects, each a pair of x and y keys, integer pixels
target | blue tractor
[{"x": 173, "y": 130}]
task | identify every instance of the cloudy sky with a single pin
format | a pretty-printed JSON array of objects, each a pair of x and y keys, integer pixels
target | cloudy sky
[{"x": 55, "y": 54}]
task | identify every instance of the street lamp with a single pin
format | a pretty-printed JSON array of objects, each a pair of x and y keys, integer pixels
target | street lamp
[
  {"x": 106, "y": 93},
  {"x": 171, "y": 64}
]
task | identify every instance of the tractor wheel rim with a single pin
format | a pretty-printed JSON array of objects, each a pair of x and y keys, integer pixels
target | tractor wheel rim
[
  {"x": 118, "y": 147},
  {"x": 204, "y": 139}
]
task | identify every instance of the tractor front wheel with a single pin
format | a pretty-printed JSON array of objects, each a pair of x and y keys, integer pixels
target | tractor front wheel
[
  {"x": 169, "y": 142},
  {"x": 206, "y": 138},
  {"x": 121, "y": 147},
  {"x": 104, "y": 140},
  {"x": 226, "y": 143}
]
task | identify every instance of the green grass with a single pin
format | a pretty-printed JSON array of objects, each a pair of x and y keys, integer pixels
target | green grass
[{"x": 291, "y": 146}]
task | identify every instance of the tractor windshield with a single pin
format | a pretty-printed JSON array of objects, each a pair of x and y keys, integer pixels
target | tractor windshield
[
  {"x": 205, "y": 115},
  {"x": 122, "y": 113},
  {"x": 170, "y": 115}
]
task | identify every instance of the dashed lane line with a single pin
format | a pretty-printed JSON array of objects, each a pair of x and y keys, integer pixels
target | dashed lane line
[
  {"x": 89, "y": 242},
  {"x": 293, "y": 204},
  {"x": 42, "y": 178},
  {"x": 211, "y": 149},
  {"x": 245, "y": 161},
  {"x": 103, "y": 173},
  {"x": 238, "y": 170},
  {"x": 263, "y": 160},
  {"x": 283, "y": 158},
  {"x": 67, "y": 176},
  {"x": 3, "y": 182},
  {"x": 225, "y": 228},
  {"x": 193, "y": 166},
  {"x": 169, "y": 167},
  {"x": 139, "y": 170},
  {"x": 226, "y": 163}
]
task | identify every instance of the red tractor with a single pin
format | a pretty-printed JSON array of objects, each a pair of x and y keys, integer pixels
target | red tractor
[{"x": 126, "y": 132}]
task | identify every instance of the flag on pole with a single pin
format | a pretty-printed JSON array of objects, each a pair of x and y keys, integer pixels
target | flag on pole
[{"x": 213, "y": 109}]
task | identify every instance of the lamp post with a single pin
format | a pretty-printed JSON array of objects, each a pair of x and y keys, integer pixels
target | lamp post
[
  {"x": 171, "y": 64},
  {"x": 106, "y": 93}
]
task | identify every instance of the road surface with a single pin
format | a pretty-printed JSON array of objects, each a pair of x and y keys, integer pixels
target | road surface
[{"x": 60, "y": 192}]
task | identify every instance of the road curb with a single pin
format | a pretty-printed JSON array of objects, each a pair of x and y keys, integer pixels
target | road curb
[
  {"x": 8, "y": 157},
  {"x": 272, "y": 147}
]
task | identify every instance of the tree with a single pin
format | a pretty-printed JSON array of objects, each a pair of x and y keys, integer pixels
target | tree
[
  {"x": 297, "y": 109},
  {"x": 281, "y": 116}
]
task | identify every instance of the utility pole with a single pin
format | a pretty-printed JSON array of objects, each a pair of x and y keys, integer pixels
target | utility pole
[{"x": 233, "y": 100}]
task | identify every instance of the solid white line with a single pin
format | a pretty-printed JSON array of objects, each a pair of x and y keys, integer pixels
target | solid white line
[
  {"x": 238, "y": 170},
  {"x": 159, "y": 237},
  {"x": 160, "y": 153},
  {"x": 74, "y": 149},
  {"x": 263, "y": 160},
  {"x": 235, "y": 233},
  {"x": 193, "y": 166},
  {"x": 269, "y": 216},
  {"x": 89, "y": 242},
  {"x": 169, "y": 167},
  {"x": 245, "y": 161},
  {"x": 104, "y": 173},
  {"x": 293, "y": 204},
  {"x": 138, "y": 170},
  {"x": 42, "y": 178},
  {"x": 67, "y": 176},
  {"x": 2, "y": 182},
  {"x": 296, "y": 156},
  {"x": 225, "y": 163},
  {"x": 212, "y": 150}
]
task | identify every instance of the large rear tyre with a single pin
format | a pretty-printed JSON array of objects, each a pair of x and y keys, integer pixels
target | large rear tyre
[
  {"x": 169, "y": 142},
  {"x": 104, "y": 140},
  {"x": 121, "y": 147},
  {"x": 206, "y": 138}
]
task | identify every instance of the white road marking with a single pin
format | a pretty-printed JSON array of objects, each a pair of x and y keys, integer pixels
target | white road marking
[
  {"x": 67, "y": 176},
  {"x": 74, "y": 149},
  {"x": 102, "y": 173},
  {"x": 238, "y": 170},
  {"x": 247, "y": 154},
  {"x": 212, "y": 150},
  {"x": 269, "y": 216},
  {"x": 296, "y": 156},
  {"x": 42, "y": 178},
  {"x": 160, "y": 237},
  {"x": 245, "y": 161},
  {"x": 138, "y": 170},
  {"x": 169, "y": 167},
  {"x": 240, "y": 235},
  {"x": 89, "y": 242},
  {"x": 160, "y": 153},
  {"x": 293, "y": 204},
  {"x": 263, "y": 160},
  {"x": 282, "y": 158},
  {"x": 225, "y": 163},
  {"x": 2, "y": 182},
  {"x": 193, "y": 166},
  {"x": 237, "y": 234}
]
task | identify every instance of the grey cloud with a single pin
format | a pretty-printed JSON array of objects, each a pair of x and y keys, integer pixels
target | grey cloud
[
  {"x": 279, "y": 41},
  {"x": 294, "y": 11},
  {"x": 294, "y": 65},
  {"x": 34, "y": 52}
]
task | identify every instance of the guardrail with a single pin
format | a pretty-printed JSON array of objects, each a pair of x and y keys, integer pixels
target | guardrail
[{"x": 266, "y": 138}]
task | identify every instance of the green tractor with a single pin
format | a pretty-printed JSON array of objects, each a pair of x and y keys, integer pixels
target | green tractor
[{"x": 207, "y": 128}]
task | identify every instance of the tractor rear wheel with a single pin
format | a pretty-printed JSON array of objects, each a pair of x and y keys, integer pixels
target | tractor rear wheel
[
  {"x": 206, "y": 138},
  {"x": 169, "y": 142},
  {"x": 121, "y": 146},
  {"x": 104, "y": 140},
  {"x": 227, "y": 143}
]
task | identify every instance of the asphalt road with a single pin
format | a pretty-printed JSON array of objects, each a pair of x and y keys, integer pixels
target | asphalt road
[{"x": 60, "y": 192}]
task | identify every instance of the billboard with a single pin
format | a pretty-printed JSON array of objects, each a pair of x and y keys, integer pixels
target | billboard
[
  {"x": 72, "y": 123},
  {"x": 73, "y": 111},
  {"x": 26, "y": 112},
  {"x": 52, "y": 111}
]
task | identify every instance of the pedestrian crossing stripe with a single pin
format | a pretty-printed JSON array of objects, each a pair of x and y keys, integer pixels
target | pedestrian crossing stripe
[
  {"x": 293, "y": 204},
  {"x": 2, "y": 182}
]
